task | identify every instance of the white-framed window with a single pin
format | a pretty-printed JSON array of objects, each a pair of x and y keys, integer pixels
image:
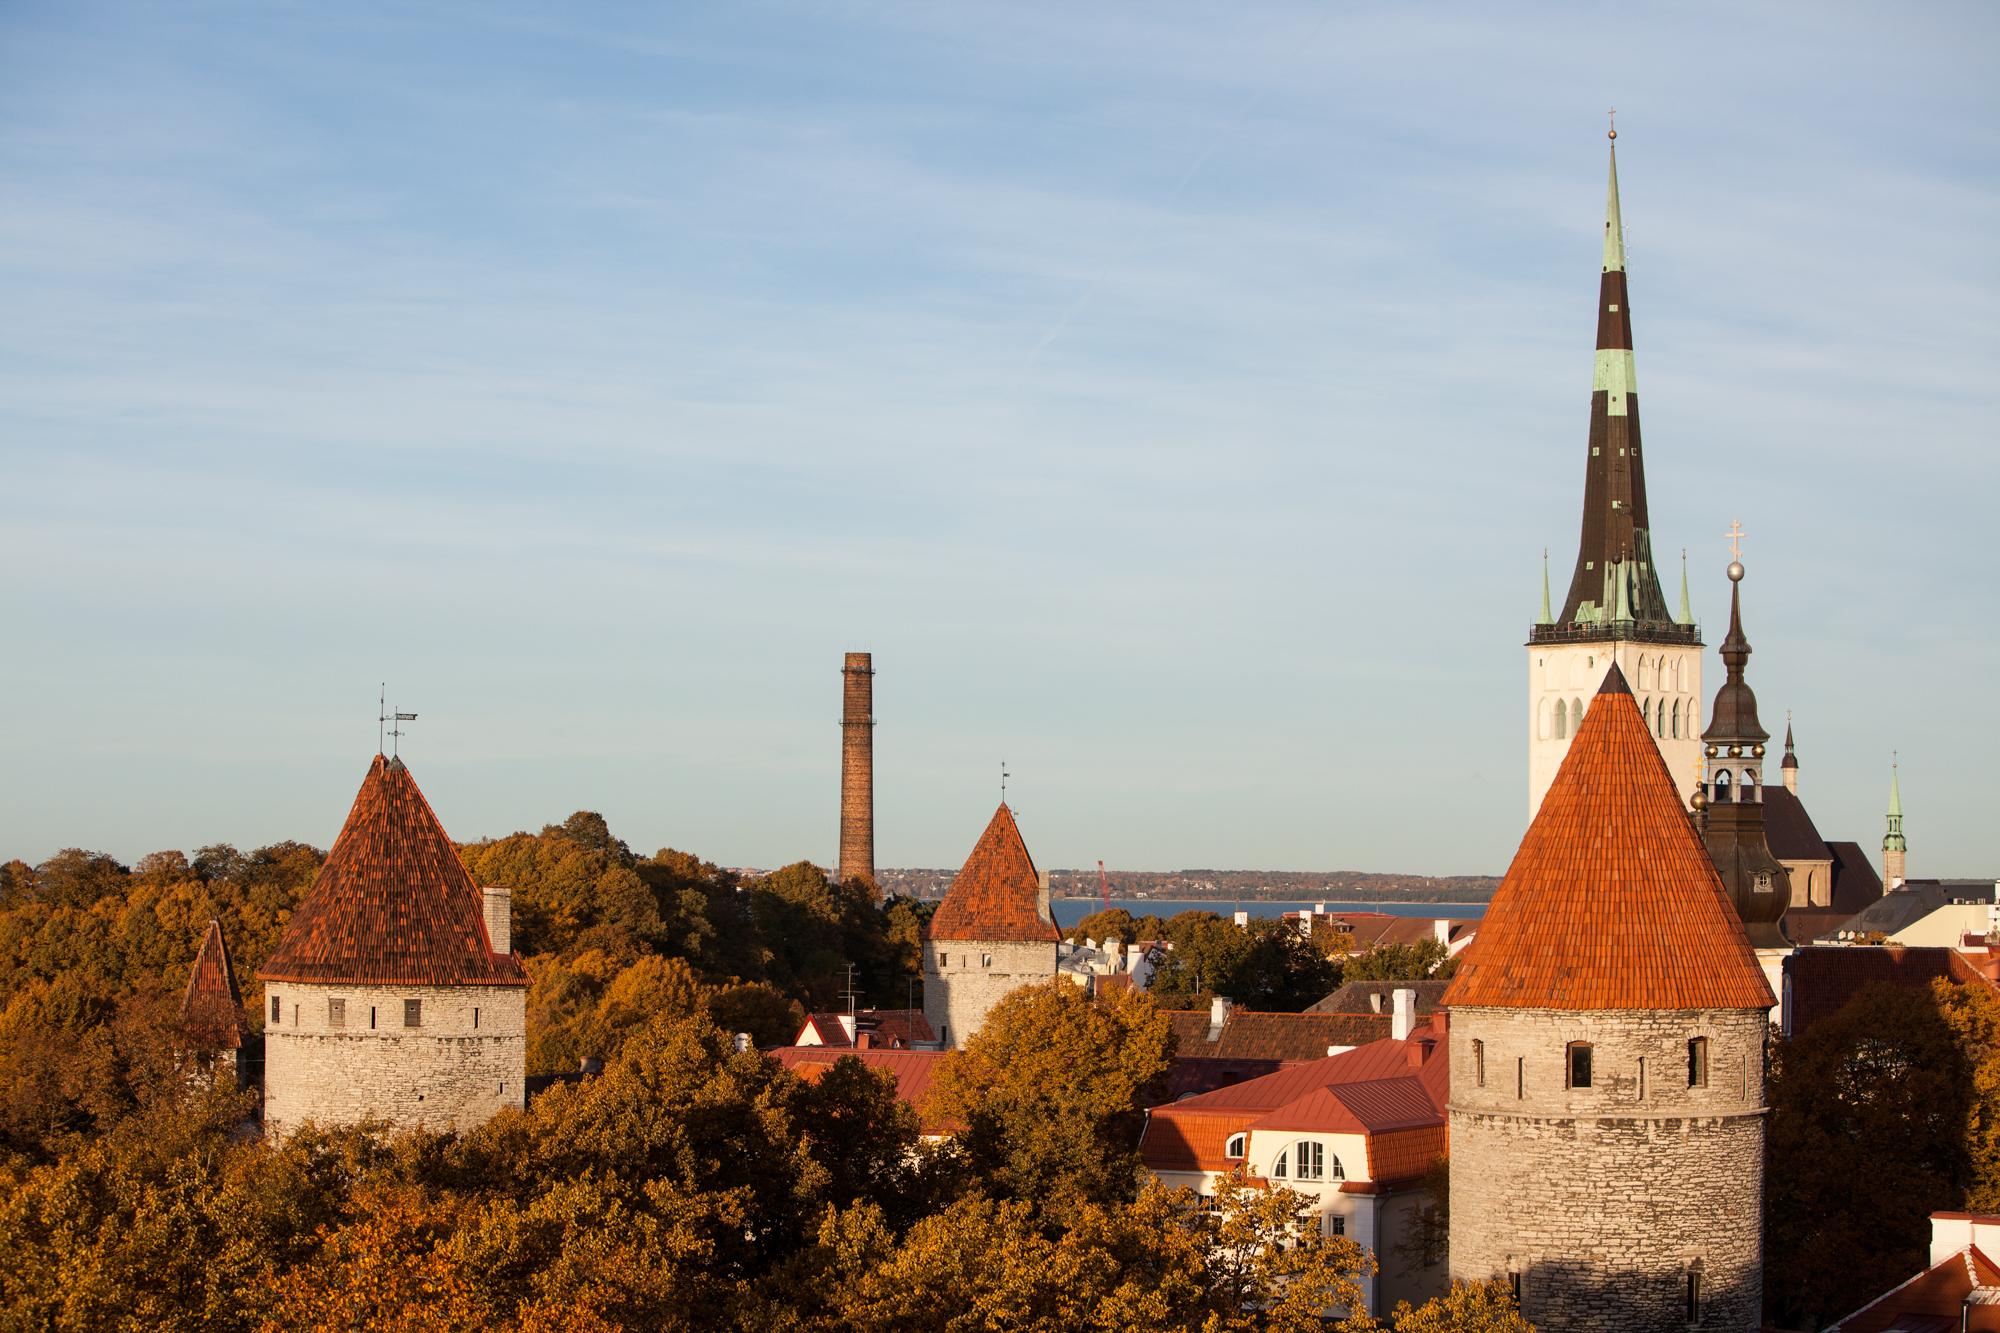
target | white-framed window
[
  {"x": 1335, "y": 1171},
  {"x": 1311, "y": 1159},
  {"x": 1234, "y": 1148},
  {"x": 1281, "y": 1168},
  {"x": 1336, "y": 1224}
]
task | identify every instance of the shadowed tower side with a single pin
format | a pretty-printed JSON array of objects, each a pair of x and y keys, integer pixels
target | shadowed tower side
[{"x": 857, "y": 768}]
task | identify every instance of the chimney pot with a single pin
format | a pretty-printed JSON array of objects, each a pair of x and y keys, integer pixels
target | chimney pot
[
  {"x": 497, "y": 902},
  {"x": 1404, "y": 1021},
  {"x": 742, "y": 1042}
]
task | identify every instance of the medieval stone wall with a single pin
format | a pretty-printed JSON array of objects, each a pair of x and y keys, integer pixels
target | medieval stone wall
[
  {"x": 1604, "y": 1199},
  {"x": 963, "y": 979},
  {"x": 464, "y": 1061}
]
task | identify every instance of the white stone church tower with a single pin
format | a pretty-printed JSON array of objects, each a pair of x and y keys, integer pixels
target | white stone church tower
[
  {"x": 1615, "y": 611},
  {"x": 394, "y": 993}
]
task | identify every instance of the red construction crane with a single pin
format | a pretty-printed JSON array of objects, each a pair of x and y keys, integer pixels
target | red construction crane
[{"x": 1103, "y": 889}]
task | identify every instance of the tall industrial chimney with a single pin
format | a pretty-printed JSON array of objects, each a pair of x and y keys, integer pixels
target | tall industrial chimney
[{"x": 857, "y": 768}]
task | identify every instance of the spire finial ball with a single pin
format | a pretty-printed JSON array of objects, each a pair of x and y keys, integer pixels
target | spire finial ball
[{"x": 1736, "y": 571}]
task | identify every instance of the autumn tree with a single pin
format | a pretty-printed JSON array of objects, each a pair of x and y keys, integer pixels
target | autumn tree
[
  {"x": 1426, "y": 960},
  {"x": 1268, "y": 965},
  {"x": 1880, "y": 1115},
  {"x": 1469, "y": 1307},
  {"x": 1048, "y": 1093}
]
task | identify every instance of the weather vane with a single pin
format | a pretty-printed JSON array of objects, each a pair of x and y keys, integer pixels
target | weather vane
[
  {"x": 385, "y": 730},
  {"x": 1003, "y": 782}
]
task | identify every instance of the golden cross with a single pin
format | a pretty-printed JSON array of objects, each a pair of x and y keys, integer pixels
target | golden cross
[{"x": 1735, "y": 535}]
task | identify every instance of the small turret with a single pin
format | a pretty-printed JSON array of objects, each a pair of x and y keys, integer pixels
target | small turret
[
  {"x": 1733, "y": 820},
  {"x": 1790, "y": 767},
  {"x": 1893, "y": 845}
]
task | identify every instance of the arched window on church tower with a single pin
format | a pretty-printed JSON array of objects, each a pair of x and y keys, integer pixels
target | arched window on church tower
[
  {"x": 1722, "y": 788},
  {"x": 1660, "y": 718},
  {"x": 1562, "y": 721},
  {"x": 1749, "y": 784},
  {"x": 1575, "y": 715},
  {"x": 1677, "y": 719},
  {"x": 1645, "y": 672}
]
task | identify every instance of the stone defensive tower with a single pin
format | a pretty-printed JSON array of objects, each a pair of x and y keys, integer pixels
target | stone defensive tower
[
  {"x": 857, "y": 768},
  {"x": 212, "y": 1010},
  {"x": 992, "y": 934},
  {"x": 1607, "y": 1060},
  {"x": 394, "y": 993},
  {"x": 1615, "y": 610}
]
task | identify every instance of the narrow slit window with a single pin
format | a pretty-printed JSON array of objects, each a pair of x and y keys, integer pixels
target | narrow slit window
[
  {"x": 371, "y": 1018},
  {"x": 1478, "y": 1063},
  {"x": 1642, "y": 1078},
  {"x": 1579, "y": 1064},
  {"x": 475, "y": 1018},
  {"x": 1698, "y": 1062},
  {"x": 277, "y": 1011},
  {"x": 1520, "y": 1077}
]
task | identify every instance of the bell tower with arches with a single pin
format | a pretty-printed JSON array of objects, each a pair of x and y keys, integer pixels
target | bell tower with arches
[{"x": 1616, "y": 613}]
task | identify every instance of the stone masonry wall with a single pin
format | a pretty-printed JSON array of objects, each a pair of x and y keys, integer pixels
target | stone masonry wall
[
  {"x": 446, "y": 1073},
  {"x": 961, "y": 984},
  {"x": 1604, "y": 1198}
]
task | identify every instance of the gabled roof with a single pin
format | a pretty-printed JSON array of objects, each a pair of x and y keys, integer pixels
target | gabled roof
[
  {"x": 393, "y": 905},
  {"x": 1611, "y": 901},
  {"x": 886, "y": 1029},
  {"x": 1251, "y": 1035},
  {"x": 1964, "y": 1285},
  {"x": 212, "y": 1007},
  {"x": 1373, "y": 1107},
  {"x": 997, "y": 895},
  {"x": 912, "y": 1071},
  {"x": 1375, "y": 997},
  {"x": 1789, "y": 831}
]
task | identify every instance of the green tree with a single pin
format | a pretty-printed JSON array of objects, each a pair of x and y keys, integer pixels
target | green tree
[{"x": 1424, "y": 960}]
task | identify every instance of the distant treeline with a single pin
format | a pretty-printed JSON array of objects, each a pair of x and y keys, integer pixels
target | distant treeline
[{"x": 1231, "y": 885}]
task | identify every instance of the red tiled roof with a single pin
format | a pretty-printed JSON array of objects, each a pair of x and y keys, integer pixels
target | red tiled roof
[
  {"x": 393, "y": 905},
  {"x": 1252, "y": 1035},
  {"x": 212, "y": 1007},
  {"x": 887, "y": 1028},
  {"x": 1373, "y": 1090},
  {"x": 912, "y": 1070},
  {"x": 1825, "y": 977},
  {"x": 1966, "y": 1281},
  {"x": 997, "y": 894},
  {"x": 1611, "y": 901}
]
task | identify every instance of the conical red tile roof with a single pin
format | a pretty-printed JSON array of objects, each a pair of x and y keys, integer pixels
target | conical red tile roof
[
  {"x": 392, "y": 905},
  {"x": 212, "y": 1007},
  {"x": 997, "y": 894},
  {"x": 1611, "y": 902}
]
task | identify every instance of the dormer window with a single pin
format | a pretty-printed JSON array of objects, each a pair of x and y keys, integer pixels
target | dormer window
[{"x": 1234, "y": 1148}]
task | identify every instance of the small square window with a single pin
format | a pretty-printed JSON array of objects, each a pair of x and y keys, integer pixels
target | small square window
[
  {"x": 1336, "y": 1225},
  {"x": 986, "y": 960},
  {"x": 944, "y": 960},
  {"x": 336, "y": 1013},
  {"x": 413, "y": 1013},
  {"x": 1613, "y": 307}
]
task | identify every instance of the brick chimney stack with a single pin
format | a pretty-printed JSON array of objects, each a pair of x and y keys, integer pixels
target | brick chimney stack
[{"x": 857, "y": 768}]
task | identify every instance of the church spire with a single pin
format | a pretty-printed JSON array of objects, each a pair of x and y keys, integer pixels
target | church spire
[
  {"x": 1616, "y": 529},
  {"x": 1733, "y": 819},
  {"x": 1545, "y": 618},
  {"x": 1893, "y": 845}
]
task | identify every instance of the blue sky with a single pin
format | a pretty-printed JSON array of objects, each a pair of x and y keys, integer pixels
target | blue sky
[{"x": 1175, "y": 399}]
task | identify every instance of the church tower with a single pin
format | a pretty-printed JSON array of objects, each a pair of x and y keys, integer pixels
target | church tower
[
  {"x": 1730, "y": 803},
  {"x": 1894, "y": 871},
  {"x": 1607, "y": 1060},
  {"x": 1615, "y": 611}
]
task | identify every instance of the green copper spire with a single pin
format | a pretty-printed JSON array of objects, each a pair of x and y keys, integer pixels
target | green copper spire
[
  {"x": 1545, "y": 618},
  {"x": 1686, "y": 616},
  {"x": 1614, "y": 228},
  {"x": 1893, "y": 841}
]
